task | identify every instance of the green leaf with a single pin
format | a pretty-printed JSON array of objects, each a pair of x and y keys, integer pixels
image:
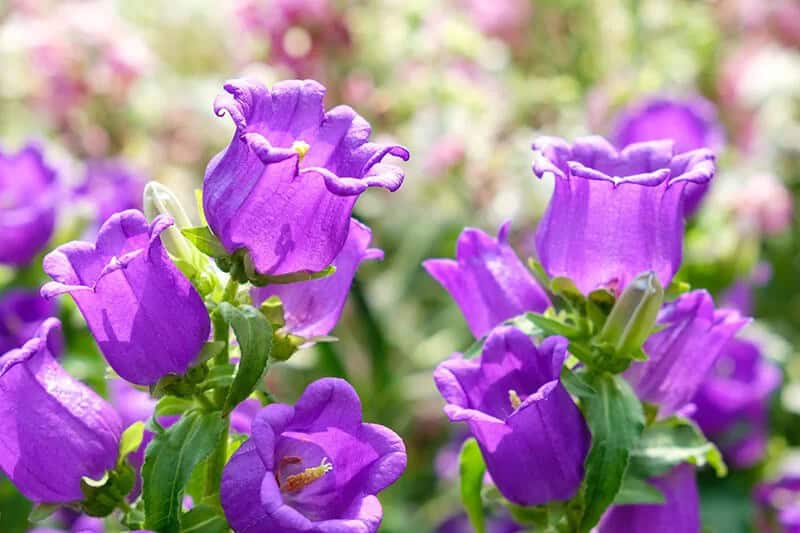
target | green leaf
[
  {"x": 539, "y": 273},
  {"x": 205, "y": 241},
  {"x": 550, "y": 326},
  {"x": 171, "y": 405},
  {"x": 254, "y": 333},
  {"x": 210, "y": 350},
  {"x": 670, "y": 442},
  {"x": 204, "y": 518},
  {"x": 260, "y": 280},
  {"x": 635, "y": 490},
  {"x": 41, "y": 511},
  {"x": 130, "y": 440},
  {"x": 616, "y": 420},
  {"x": 169, "y": 461},
  {"x": 675, "y": 289},
  {"x": 471, "y": 469}
]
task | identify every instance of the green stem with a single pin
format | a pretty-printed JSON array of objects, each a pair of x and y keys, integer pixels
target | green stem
[
  {"x": 216, "y": 463},
  {"x": 230, "y": 290},
  {"x": 204, "y": 401}
]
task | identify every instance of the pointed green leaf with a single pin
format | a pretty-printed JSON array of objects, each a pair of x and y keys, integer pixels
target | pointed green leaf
[
  {"x": 616, "y": 420},
  {"x": 471, "y": 469},
  {"x": 205, "y": 241},
  {"x": 169, "y": 461},
  {"x": 635, "y": 490},
  {"x": 41, "y": 511},
  {"x": 551, "y": 326},
  {"x": 204, "y": 518},
  {"x": 254, "y": 333},
  {"x": 670, "y": 442}
]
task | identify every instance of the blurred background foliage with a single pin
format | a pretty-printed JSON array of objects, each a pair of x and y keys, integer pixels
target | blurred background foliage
[{"x": 466, "y": 85}]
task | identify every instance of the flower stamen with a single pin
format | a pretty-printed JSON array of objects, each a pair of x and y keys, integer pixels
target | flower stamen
[
  {"x": 299, "y": 481},
  {"x": 302, "y": 148},
  {"x": 513, "y": 397}
]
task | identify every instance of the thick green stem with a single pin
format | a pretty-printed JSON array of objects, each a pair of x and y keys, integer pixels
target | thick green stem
[{"x": 216, "y": 463}]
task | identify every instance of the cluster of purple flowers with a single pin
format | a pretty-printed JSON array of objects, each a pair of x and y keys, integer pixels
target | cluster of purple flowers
[
  {"x": 281, "y": 195},
  {"x": 615, "y": 213}
]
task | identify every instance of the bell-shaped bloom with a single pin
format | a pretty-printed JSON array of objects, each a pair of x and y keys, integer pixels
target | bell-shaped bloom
[
  {"x": 732, "y": 403},
  {"x": 682, "y": 354},
  {"x": 28, "y": 196},
  {"x": 21, "y": 313},
  {"x": 532, "y": 435},
  {"x": 680, "y": 512},
  {"x": 314, "y": 466},
  {"x": 778, "y": 504},
  {"x": 286, "y": 185},
  {"x": 145, "y": 315},
  {"x": 487, "y": 280},
  {"x": 312, "y": 308},
  {"x": 691, "y": 123},
  {"x": 613, "y": 214},
  {"x": 54, "y": 430},
  {"x": 111, "y": 186}
]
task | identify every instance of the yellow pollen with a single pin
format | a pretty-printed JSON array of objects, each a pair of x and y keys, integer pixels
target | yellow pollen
[
  {"x": 513, "y": 397},
  {"x": 301, "y": 147},
  {"x": 300, "y": 481}
]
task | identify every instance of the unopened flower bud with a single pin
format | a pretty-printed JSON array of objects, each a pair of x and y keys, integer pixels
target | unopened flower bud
[
  {"x": 634, "y": 314},
  {"x": 158, "y": 200}
]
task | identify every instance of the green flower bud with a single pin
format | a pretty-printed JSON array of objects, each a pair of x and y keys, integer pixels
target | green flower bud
[
  {"x": 633, "y": 316},
  {"x": 159, "y": 200}
]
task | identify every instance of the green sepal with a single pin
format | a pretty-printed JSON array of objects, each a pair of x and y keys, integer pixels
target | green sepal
[
  {"x": 102, "y": 496},
  {"x": 471, "y": 469},
  {"x": 205, "y": 241}
]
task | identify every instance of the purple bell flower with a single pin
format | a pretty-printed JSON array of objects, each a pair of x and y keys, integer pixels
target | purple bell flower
[
  {"x": 778, "y": 504},
  {"x": 69, "y": 431},
  {"x": 487, "y": 280},
  {"x": 28, "y": 196},
  {"x": 286, "y": 185},
  {"x": 732, "y": 403},
  {"x": 312, "y": 467},
  {"x": 683, "y": 353},
  {"x": 146, "y": 316},
  {"x": 21, "y": 314},
  {"x": 111, "y": 186},
  {"x": 680, "y": 512},
  {"x": 532, "y": 435},
  {"x": 312, "y": 308},
  {"x": 690, "y": 123},
  {"x": 614, "y": 215}
]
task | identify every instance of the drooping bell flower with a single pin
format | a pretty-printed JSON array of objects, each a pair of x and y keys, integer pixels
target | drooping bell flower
[
  {"x": 314, "y": 466},
  {"x": 691, "y": 123},
  {"x": 286, "y": 185},
  {"x": 681, "y": 355},
  {"x": 21, "y": 313},
  {"x": 614, "y": 215},
  {"x": 28, "y": 196},
  {"x": 680, "y": 511},
  {"x": 732, "y": 403},
  {"x": 532, "y": 435},
  {"x": 778, "y": 504},
  {"x": 487, "y": 280},
  {"x": 53, "y": 429},
  {"x": 145, "y": 315},
  {"x": 312, "y": 308},
  {"x": 111, "y": 186}
]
